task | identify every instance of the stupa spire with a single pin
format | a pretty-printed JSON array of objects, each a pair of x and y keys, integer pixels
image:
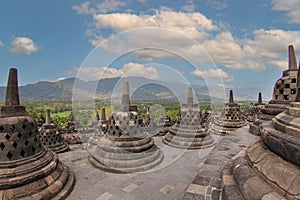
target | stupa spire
[
  {"x": 12, "y": 90},
  {"x": 190, "y": 100},
  {"x": 259, "y": 98},
  {"x": 97, "y": 116},
  {"x": 231, "y": 97},
  {"x": 48, "y": 119},
  {"x": 103, "y": 115},
  {"x": 125, "y": 96},
  {"x": 298, "y": 85},
  {"x": 292, "y": 58}
]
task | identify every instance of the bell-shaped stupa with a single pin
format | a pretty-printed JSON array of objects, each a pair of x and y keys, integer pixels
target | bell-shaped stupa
[
  {"x": 188, "y": 132},
  {"x": 125, "y": 148},
  {"x": 230, "y": 119},
  {"x": 285, "y": 92},
  {"x": 27, "y": 169},
  {"x": 270, "y": 167},
  {"x": 51, "y": 136},
  {"x": 285, "y": 89}
]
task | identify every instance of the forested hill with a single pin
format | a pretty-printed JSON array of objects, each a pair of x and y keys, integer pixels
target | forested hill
[{"x": 62, "y": 90}]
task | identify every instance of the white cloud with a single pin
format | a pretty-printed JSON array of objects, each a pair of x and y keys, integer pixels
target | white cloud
[
  {"x": 82, "y": 8},
  {"x": 292, "y": 7},
  {"x": 56, "y": 80},
  {"x": 96, "y": 40},
  {"x": 258, "y": 50},
  {"x": 91, "y": 8},
  {"x": 194, "y": 25},
  {"x": 1, "y": 44},
  {"x": 23, "y": 45},
  {"x": 217, "y": 4},
  {"x": 129, "y": 69},
  {"x": 110, "y": 5},
  {"x": 266, "y": 49},
  {"x": 142, "y": 1},
  {"x": 136, "y": 69},
  {"x": 189, "y": 7},
  {"x": 212, "y": 74}
]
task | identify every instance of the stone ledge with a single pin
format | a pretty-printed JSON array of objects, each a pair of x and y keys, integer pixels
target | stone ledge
[
  {"x": 246, "y": 181},
  {"x": 284, "y": 177},
  {"x": 284, "y": 145}
]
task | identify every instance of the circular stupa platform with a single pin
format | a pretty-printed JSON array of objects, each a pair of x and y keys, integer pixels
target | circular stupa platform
[
  {"x": 188, "y": 137},
  {"x": 124, "y": 154}
]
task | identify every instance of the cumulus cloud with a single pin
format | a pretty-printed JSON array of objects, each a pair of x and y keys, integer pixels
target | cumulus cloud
[
  {"x": 259, "y": 50},
  {"x": 1, "y": 44},
  {"x": 136, "y": 69},
  {"x": 23, "y": 45},
  {"x": 266, "y": 49},
  {"x": 128, "y": 70},
  {"x": 212, "y": 74},
  {"x": 292, "y": 7},
  {"x": 195, "y": 25}
]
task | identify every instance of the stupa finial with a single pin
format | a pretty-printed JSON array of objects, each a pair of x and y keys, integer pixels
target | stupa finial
[
  {"x": 292, "y": 58},
  {"x": 103, "y": 115},
  {"x": 190, "y": 100},
  {"x": 97, "y": 116},
  {"x": 48, "y": 119},
  {"x": 231, "y": 97},
  {"x": 125, "y": 96},
  {"x": 298, "y": 85},
  {"x": 12, "y": 90},
  {"x": 259, "y": 98}
]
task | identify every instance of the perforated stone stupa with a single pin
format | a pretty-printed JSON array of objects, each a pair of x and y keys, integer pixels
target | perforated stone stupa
[
  {"x": 27, "y": 169},
  {"x": 256, "y": 112},
  {"x": 103, "y": 122},
  {"x": 51, "y": 136},
  {"x": 188, "y": 132},
  {"x": 285, "y": 89},
  {"x": 125, "y": 148},
  {"x": 230, "y": 118},
  {"x": 285, "y": 92},
  {"x": 272, "y": 163}
]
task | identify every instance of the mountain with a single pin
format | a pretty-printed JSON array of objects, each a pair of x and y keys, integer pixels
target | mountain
[{"x": 111, "y": 88}]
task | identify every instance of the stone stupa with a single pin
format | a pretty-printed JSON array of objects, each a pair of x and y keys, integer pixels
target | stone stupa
[
  {"x": 28, "y": 170},
  {"x": 284, "y": 92},
  {"x": 101, "y": 124},
  {"x": 269, "y": 168},
  {"x": 230, "y": 119},
  {"x": 285, "y": 89},
  {"x": 256, "y": 113},
  {"x": 125, "y": 148},
  {"x": 41, "y": 121},
  {"x": 51, "y": 136},
  {"x": 188, "y": 132}
]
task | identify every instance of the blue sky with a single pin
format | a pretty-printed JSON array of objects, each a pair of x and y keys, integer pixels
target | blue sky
[{"x": 247, "y": 40}]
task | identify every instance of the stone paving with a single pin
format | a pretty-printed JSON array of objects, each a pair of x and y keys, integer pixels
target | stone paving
[
  {"x": 183, "y": 174},
  {"x": 207, "y": 183}
]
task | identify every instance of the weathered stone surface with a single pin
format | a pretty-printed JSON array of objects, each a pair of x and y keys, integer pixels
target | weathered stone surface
[
  {"x": 286, "y": 146},
  {"x": 189, "y": 132},
  {"x": 255, "y": 188},
  {"x": 283, "y": 177},
  {"x": 51, "y": 137},
  {"x": 230, "y": 192},
  {"x": 124, "y": 147},
  {"x": 27, "y": 169},
  {"x": 230, "y": 118}
]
